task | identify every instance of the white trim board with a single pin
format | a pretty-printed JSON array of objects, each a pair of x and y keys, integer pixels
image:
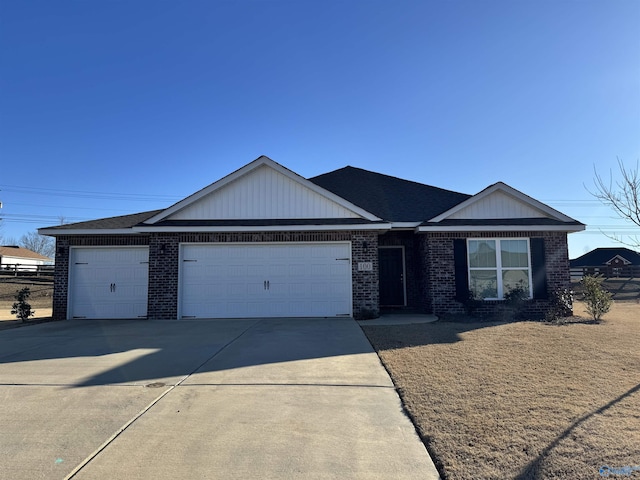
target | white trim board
[{"x": 259, "y": 162}]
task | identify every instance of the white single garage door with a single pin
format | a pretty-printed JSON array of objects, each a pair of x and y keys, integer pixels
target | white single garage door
[
  {"x": 108, "y": 282},
  {"x": 265, "y": 280}
]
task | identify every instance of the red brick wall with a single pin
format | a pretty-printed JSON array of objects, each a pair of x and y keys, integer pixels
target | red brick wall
[
  {"x": 440, "y": 291},
  {"x": 164, "y": 256},
  {"x": 428, "y": 257}
]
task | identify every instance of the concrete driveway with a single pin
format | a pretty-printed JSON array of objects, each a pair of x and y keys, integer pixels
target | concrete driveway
[{"x": 218, "y": 399}]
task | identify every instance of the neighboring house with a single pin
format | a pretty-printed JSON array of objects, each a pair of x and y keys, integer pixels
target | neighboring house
[
  {"x": 266, "y": 242},
  {"x": 13, "y": 257},
  {"x": 610, "y": 262}
]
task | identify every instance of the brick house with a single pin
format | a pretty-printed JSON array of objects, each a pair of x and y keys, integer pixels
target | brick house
[
  {"x": 266, "y": 242},
  {"x": 608, "y": 262}
]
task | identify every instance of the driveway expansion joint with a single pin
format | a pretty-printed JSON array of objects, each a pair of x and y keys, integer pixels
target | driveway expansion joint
[{"x": 105, "y": 444}]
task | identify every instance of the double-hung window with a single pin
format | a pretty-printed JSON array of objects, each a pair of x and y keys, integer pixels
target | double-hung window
[{"x": 497, "y": 265}]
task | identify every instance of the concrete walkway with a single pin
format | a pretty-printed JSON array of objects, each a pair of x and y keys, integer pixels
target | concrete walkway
[
  {"x": 216, "y": 399},
  {"x": 399, "y": 319}
]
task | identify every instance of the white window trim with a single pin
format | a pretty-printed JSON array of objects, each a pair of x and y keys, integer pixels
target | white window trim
[{"x": 498, "y": 268}]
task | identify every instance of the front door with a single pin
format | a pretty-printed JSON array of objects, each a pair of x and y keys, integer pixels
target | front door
[{"x": 392, "y": 290}]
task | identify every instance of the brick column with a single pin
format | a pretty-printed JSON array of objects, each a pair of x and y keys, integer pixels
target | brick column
[
  {"x": 163, "y": 277},
  {"x": 366, "y": 290},
  {"x": 61, "y": 279}
]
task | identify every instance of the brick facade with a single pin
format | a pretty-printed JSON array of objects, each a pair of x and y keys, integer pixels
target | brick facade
[
  {"x": 440, "y": 290},
  {"x": 164, "y": 254},
  {"x": 429, "y": 264}
]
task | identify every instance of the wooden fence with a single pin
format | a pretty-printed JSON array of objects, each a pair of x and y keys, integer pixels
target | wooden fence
[
  {"x": 606, "y": 271},
  {"x": 17, "y": 269}
]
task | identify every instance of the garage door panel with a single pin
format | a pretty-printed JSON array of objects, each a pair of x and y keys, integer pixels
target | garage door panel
[
  {"x": 109, "y": 282},
  {"x": 268, "y": 280}
]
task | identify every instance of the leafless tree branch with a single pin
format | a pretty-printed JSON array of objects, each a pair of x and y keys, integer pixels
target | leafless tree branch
[{"x": 623, "y": 196}]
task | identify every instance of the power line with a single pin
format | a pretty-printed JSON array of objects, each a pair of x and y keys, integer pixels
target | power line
[
  {"x": 20, "y": 204},
  {"x": 139, "y": 197}
]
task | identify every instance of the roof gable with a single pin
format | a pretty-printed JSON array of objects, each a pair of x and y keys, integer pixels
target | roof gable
[
  {"x": 263, "y": 189},
  {"x": 500, "y": 201},
  {"x": 619, "y": 258}
]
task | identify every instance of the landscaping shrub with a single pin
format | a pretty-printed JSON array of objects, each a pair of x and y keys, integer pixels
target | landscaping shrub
[
  {"x": 560, "y": 305},
  {"x": 596, "y": 298},
  {"x": 21, "y": 308},
  {"x": 515, "y": 299},
  {"x": 471, "y": 303}
]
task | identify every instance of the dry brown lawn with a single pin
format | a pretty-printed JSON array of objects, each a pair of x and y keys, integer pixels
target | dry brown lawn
[{"x": 524, "y": 400}]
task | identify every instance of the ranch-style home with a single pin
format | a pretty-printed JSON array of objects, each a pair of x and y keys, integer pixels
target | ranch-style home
[{"x": 266, "y": 242}]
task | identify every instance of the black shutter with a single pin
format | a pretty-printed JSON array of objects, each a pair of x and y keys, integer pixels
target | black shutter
[
  {"x": 460, "y": 269},
  {"x": 538, "y": 268}
]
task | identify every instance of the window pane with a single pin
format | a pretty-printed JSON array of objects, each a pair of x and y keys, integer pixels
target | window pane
[
  {"x": 514, "y": 253},
  {"x": 482, "y": 253},
  {"x": 514, "y": 278},
  {"x": 484, "y": 283}
]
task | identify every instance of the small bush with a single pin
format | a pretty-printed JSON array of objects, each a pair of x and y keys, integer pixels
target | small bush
[
  {"x": 517, "y": 295},
  {"x": 597, "y": 299},
  {"x": 471, "y": 303},
  {"x": 367, "y": 314},
  {"x": 21, "y": 308},
  {"x": 515, "y": 299},
  {"x": 560, "y": 305}
]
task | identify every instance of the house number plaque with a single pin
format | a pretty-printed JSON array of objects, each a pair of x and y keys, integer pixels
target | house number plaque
[{"x": 365, "y": 266}]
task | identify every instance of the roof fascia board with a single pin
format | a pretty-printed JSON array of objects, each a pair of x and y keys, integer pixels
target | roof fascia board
[
  {"x": 410, "y": 225},
  {"x": 512, "y": 192},
  {"x": 52, "y": 232},
  {"x": 502, "y": 228},
  {"x": 264, "y": 228},
  {"x": 257, "y": 163}
]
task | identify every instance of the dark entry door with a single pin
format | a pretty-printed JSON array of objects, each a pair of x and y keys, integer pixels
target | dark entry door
[{"x": 391, "y": 277}]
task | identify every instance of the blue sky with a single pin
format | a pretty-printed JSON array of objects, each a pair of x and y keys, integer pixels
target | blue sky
[{"x": 114, "y": 107}]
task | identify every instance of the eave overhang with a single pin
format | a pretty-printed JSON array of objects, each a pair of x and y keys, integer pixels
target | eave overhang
[
  {"x": 500, "y": 228},
  {"x": 53, "y": 232},
  {"x": 261, "y": 228}
]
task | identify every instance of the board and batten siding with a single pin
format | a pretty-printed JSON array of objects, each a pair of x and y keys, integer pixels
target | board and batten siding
[
  {"x": 497, "y": 205},
  {"x": 263, "y": 194}
]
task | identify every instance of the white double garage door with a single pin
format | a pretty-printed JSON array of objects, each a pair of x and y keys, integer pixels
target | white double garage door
[{"x": 217, "y": 281}]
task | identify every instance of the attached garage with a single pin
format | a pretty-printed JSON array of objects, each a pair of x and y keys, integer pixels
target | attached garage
[
  {"x": 265, "y": 280},
  {"x": 108, "y": 282},
  {"x": 265, "y": 242}
]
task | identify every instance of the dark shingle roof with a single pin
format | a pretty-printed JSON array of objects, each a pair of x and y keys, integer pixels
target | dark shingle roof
[
  {"x": 390, "y": 198},
  {"x": 600, "y": 256},
  {"x": 122, "y": 221}
]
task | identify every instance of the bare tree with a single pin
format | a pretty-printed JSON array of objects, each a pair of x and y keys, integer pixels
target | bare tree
[
  {"x": 623, "y": 196},
  {"x": 38, "y": 243}
]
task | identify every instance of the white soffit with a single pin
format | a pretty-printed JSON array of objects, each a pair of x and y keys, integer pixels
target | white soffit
[
  {"x": 500, "y": 201},
  {"x": 263, "y": 189}
]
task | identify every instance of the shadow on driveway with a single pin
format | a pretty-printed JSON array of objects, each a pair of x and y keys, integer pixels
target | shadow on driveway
[{"x": 94, "y": 352}]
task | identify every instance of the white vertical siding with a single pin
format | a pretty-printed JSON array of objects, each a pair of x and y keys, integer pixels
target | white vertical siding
[
  {"x": 498, "y": 205},
  {"x": 263, "y": 194}
]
